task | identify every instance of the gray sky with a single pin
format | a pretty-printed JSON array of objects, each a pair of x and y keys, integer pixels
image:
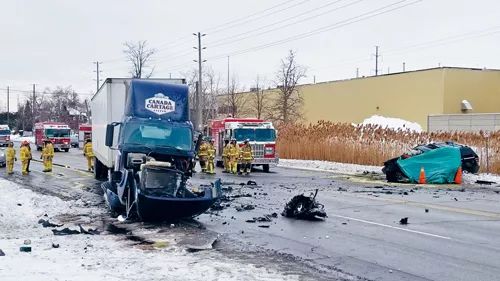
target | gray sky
[{"x": 53, "y": 43}]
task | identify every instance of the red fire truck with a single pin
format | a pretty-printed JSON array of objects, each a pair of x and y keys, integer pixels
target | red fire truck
[
  {"x": 84, "y": 133},
  {"x": 261, "y": 134},
  {"x": 58, "y": 133}
]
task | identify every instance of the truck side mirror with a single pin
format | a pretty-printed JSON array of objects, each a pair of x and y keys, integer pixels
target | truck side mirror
[{"x": 110, "y": 131}]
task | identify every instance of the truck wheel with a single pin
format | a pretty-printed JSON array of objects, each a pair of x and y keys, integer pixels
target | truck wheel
[
  {"x": 219, "y": 164},
  {"x": 265, "y": 167},
  {"x": 66, "y": 149},
  {"x": 100, "y": 171}
]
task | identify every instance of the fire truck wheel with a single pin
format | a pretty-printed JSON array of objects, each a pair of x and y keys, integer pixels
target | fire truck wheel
[
  {"x": 265, "y": 167},
  {"x": 219, "y": 164},
  {"x": 66, "y": 149}
]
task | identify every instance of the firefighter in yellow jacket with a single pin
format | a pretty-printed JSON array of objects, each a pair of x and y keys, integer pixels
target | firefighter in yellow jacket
[
  {"x": 202, "y": 155},
  {"x": 233, "y": 154},
  {"x": 47, "y": 156},
  {"x": 210, "y": 157},
  {"x": 246, "y": 158},
  {"x": 225, "y": 155},
  {"x": 89, "y": 154},
  {"x": 25, "y": 156},
  {"x": 10, "y": 157}
]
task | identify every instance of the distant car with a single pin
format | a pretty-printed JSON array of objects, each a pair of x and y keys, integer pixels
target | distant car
[
  {"x": 470, "y": 160},
  {"x": 2, "y": 157},
  {"x": 74, "y": 140}
]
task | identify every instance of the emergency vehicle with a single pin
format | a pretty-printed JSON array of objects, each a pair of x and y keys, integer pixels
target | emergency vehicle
[
  {"x": 84, "y": 133},
  {"x": 261, "y": 133},
  {"x": 58, "y": 133},
  {"x": 4, "y": 135}
]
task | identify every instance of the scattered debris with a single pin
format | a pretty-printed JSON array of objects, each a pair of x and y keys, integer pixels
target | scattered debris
[
  {"x": 19, "y": 204},
  {"x": 27, "y": 242},
  {"x": 251, "y": 183},
  {"x": 485, "y": 182},
  {"x": 344, "y": 223},
  {"x": 426, "y": 210},
  {"x": 217, "y": 207},
  {"x": 455, "y": 198},
  {"x": 245, "y": 208},
  {"x": 25, "y": 248},
  {"x": 264, "y": 225},
  {"x": 47, "y": 223},
  {"x": 65, "y": 231},
  {"x": 405, "y": 193},
  {"x": 55, "y": 246},
  {"x": 251, "y": 220},
  {"x": 304, "y": 207},
  {"x": 403, "y": 221},
  {"x": 89, "y": 231},
  {"x": 342, "y": 189},
  {"x": 2, "y": 253}
]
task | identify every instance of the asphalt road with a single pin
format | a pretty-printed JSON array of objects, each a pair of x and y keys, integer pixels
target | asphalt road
[{"x": 455, "y": 239}]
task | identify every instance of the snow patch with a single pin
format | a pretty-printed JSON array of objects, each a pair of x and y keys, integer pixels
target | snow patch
[
  {"x": 393, "y": 123},
  {"x": 326, "y": 166}
]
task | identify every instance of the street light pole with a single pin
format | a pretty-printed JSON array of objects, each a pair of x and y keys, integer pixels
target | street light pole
[{"x": 199, "y": 97}]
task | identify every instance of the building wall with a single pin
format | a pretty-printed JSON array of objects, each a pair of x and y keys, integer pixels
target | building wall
[
  {"x": 473, "y": 122},
  {"x": 405, "y": 96},
  {"x": 480, "y": 87}
]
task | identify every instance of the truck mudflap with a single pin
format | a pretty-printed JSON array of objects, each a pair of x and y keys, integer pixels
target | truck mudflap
[{"x": 154, "y": 208}]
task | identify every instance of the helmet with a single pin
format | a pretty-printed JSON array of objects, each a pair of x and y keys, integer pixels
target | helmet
[
  {"x": 247, "y": 140},
  {"x": 25, "y": 142}
]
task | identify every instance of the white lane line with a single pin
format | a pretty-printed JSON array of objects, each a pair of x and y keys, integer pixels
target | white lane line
[{"x": 393, "y": 227}]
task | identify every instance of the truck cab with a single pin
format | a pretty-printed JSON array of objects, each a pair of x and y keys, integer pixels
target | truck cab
[{"x": 4, "y": 135}]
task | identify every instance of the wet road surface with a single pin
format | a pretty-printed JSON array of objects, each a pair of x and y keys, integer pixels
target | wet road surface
[{"x": 452, "y": 232}]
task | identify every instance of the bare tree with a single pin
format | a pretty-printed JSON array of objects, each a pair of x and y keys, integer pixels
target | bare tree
[
  {"x": 233, "y": 100},
  {"x": 258, "y": 99},
  {"x": 287, "y": 107},
  {"x": 140, "y": 56}
]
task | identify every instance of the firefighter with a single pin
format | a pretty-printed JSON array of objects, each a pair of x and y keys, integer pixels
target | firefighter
[
  {"x": 233, "y": 154},
  {"x": 246, "y": 157},
  {"x": 30, "y": 156},
  {"x": 225, "y": 155},
  {"x": 24, "y": 155},
  {"x": 10, "y": 157},
  {"x": 210, "y": 157},
  {"x": 47, "y": 156},
  {"x": 202, "y": 155},
  {"x": 89, "y": 154}
]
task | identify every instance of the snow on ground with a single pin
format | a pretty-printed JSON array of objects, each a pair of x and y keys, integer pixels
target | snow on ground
[
  {"x": 98, "y": 257},
  {"x": 352, "y": 169},
  {"x": 325, "y": 166},
  {"x": 393, "y": 123}
]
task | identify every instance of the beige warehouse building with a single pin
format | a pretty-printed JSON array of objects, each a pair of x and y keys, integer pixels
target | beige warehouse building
[{"x": 412, "y": 95}]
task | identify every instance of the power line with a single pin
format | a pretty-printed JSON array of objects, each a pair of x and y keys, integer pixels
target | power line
[
  {"x": 232, "y": 39},
  {"x": 38, "y": 92}
]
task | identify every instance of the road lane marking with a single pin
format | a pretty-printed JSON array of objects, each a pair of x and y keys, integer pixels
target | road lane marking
[{"x": 393, "y": 227}]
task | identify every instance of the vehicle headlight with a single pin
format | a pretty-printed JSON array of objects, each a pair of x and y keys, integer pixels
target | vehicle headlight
[{"x": 2, "y": 155}]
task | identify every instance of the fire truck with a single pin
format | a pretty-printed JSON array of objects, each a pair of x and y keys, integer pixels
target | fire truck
[
  {"x": 84, "y": 133},
  {"x": 261, "y": 133},
  {"x": 58, "y": 133}
]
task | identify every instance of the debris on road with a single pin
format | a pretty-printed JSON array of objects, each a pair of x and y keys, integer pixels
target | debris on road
[
  {"x": 47, "y": 223},
  {"x": 264, "y": 225},
  {"x": 483, "y": 182},
  {"x": 304, "y": 207},
  {"x": 250, "y": 182},
  {"x": 2, "y": 253},
  {"x": 25, "y": 248},
  {"x": 89, "y": 231},
  {"x": 245, "y": 207},
  {"x": 55, "y": 246},
  {"x": 65, "y": 231},
  {"x": 403, "y": 221},
  {"x": 426, "y": 210}
]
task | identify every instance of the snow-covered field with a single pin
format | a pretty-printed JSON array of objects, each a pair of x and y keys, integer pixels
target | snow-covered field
[
  {"x": 352, "y": 169},
  {"x": 98, "y": 257}
]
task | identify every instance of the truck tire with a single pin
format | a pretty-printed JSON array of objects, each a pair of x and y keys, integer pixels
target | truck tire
[
  {"x": 100, "y": 171},
  {"x": 219, "y": 164},
  {"x": 66, "y": 149},
  {"x": 110, "y": 199},
  {"x": 265, "y": 167}
]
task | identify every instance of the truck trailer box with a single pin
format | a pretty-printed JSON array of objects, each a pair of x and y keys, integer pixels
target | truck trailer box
[{"x": 108, "y": 106}]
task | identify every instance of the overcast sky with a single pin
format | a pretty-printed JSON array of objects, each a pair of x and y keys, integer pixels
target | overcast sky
[{"x": 53, "y": 43}]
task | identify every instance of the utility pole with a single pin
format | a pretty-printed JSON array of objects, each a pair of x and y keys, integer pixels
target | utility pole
[
  {"x": 404, "y": 66},
  {"x": 376, "y": 60},
  {"x": 199, "y": 98},
  {"x": 34, "y": 103},
  {"x": 8, "y": 108},
  {"x": 97, "y": 71}
]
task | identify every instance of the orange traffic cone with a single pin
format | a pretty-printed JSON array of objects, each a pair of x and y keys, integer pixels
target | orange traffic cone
[
  {"x": 458, "y": 176},
  {"x": 421, "y": 178}
]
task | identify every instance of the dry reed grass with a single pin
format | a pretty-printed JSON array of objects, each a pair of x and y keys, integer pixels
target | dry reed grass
[{"x": 373, "y": 144}]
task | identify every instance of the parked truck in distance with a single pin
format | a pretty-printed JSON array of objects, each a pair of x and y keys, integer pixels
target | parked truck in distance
[
  {"x": 4, "y": 135},
  {"x": 142, "y": 139},
  {"x": 260, "y": 133},
  {"x": 58, "y": 133}
]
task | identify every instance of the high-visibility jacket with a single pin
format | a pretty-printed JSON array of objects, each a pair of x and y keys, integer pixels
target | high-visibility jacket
[
  {"x": 225, "y": 151},
  {"x": 210, "y": 151},
  {"x": 87, "y": 150},
  {"x": 246, "y": 153},
  {"x": 233, "y": 152},
  {"x": 10, "y": 154},
  {"x": 203, "y": 150},
  {"x": 24, "y": 154},
  {"x": 48, "y": 150}
]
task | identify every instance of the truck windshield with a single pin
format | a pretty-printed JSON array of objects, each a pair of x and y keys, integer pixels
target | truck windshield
[
  {"x": 4, "y": 132},
  {"x": 255, "y": 134},
  {"x": 157, "y": 134},
  {"x": 57, "y": 133}
]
